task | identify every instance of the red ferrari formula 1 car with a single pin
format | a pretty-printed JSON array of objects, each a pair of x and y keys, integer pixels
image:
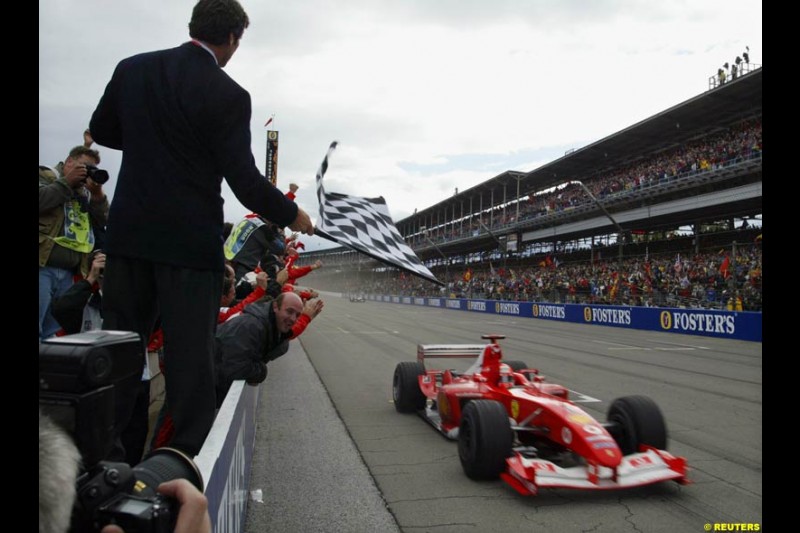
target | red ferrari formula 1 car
[{"x": 510, "y": 423}]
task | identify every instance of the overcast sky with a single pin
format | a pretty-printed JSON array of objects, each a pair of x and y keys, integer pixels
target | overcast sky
[{"x": 423, "y": 95}]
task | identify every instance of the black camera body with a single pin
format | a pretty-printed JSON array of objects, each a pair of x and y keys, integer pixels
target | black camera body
[
  {"x": 77, "y": 379},
  {"x": 115, "y": 493},
  {"x": 98, "y": 175}
]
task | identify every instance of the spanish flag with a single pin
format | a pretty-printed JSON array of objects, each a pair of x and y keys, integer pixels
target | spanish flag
[{"x": 468, "y": 274}]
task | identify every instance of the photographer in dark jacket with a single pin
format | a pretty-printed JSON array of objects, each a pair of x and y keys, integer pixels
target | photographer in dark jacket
[
  {"x": 79, "y": 308},
  {"x": 246, "y": 343}
]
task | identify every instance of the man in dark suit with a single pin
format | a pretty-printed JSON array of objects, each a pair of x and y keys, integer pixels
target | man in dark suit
[{"x": 183, "y": 124}]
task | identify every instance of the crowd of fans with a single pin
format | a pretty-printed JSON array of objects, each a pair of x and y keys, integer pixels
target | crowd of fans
[
  {"x": 723, "y": 278},
  {"x": 737, "y": 143}
]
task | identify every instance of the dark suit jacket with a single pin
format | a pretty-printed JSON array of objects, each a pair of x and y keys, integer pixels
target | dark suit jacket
[{"x": 182, "y": 124}]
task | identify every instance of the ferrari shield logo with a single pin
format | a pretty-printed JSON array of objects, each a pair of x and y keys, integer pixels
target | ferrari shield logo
[{"x": 514, "y": 409}]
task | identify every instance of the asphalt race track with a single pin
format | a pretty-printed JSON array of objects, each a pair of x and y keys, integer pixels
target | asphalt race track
[{"x": 332, "y": 454}]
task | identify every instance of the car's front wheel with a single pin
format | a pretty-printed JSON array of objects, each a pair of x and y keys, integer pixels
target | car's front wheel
[
  {"x": 406, "y": 393},
  {"x": 484, "y": 439},
  {"x": 636, "y": 420}
]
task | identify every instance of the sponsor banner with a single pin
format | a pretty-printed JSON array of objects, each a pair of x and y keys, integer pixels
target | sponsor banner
[
  {"x": 454, "y": 304},
  {"x": 742, "y": 325},
  {"x": 482, "y": 306},
  {"x": 738, "y": 325},
  {"x": 549, "y": 311},
  {"x": 605, "y": 315},
  {"x": 508, "y": 308}
]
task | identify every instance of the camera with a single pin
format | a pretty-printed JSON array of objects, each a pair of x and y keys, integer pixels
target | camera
[
  {"x": 98, "y": 175},
  {"x": 77, "y": 379}
]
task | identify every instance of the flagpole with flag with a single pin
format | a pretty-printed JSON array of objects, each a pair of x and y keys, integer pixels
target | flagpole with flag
[{"x": 364, "y": 225}]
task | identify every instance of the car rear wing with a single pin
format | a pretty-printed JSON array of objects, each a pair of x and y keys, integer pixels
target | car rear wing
[{"x": 448, "y": 351}]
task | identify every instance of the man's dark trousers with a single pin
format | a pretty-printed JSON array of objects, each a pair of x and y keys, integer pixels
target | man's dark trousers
[{"x": 135, "y": 293}]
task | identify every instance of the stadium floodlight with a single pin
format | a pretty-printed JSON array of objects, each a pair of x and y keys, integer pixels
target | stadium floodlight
[
  {"x": 621, "y": 231},
  {"x": 426, "y": 233}
]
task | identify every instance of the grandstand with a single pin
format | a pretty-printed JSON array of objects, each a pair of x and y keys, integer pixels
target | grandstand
[{"x": 678, "y": 194}]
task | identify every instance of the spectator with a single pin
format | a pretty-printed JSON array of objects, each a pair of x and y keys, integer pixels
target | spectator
[
  {"x": 290, "y": 194},
  {"x": 165, "y": 227},
  {"x": 246, "y": 343},
  {"x": 70, "y": 205},
  {"x": 251, "y": 243}
]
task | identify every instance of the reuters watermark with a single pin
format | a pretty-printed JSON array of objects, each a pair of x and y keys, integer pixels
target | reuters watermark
[{"x": 732, "y": 526}]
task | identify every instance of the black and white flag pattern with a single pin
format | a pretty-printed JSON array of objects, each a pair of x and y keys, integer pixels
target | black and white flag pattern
[{"x": 364, "y": 225}]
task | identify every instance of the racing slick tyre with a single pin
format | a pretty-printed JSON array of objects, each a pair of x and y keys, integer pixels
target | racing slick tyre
[
  {"x": 406, "y": 393},
  {"x": 484, "y": 439},
  {"x": 636, "y": 420}
]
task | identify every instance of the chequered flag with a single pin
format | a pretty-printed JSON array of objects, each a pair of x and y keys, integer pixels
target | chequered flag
[{"x": 364, "y": 225}]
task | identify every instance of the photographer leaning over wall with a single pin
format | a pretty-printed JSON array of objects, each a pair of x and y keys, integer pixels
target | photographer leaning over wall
[{"x": 72, "y": 206}]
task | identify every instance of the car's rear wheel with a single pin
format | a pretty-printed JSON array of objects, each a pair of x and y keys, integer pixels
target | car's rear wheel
[
  {"x": 405, "y": 387},
  {"x": 484, "y": 439},
  {"x": 636, "y": 420},
  {"x": 517, "y": 366}
]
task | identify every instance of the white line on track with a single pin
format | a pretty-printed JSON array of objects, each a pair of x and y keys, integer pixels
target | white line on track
[
  {"x": 581, "y": 398},
  {"x": 683, "y": 345},
  {"x": 367, "y": 332},
  {"x": 673, "y": 348},
  {"x": 621, "y": 348},
  {"x": 617, "y": 344}
]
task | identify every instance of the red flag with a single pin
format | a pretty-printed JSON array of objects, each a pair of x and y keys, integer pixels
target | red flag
[{"x": 724, "y": 268}]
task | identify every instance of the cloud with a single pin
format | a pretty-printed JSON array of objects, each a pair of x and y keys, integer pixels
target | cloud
[{"x": 423, "y": 96}]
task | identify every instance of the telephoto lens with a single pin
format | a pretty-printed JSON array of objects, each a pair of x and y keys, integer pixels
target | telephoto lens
[
  {"x": 165, "y": 464},
  {"x": 98, "y": 175}
]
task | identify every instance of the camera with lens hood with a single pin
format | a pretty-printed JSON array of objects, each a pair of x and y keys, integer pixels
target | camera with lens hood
[
  {"x": 98, "y": 175},
  {"x": 77, "y": 377}
]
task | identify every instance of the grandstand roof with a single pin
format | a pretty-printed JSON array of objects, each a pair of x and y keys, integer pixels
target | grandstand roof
[{"x": 706, "y": 113}]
